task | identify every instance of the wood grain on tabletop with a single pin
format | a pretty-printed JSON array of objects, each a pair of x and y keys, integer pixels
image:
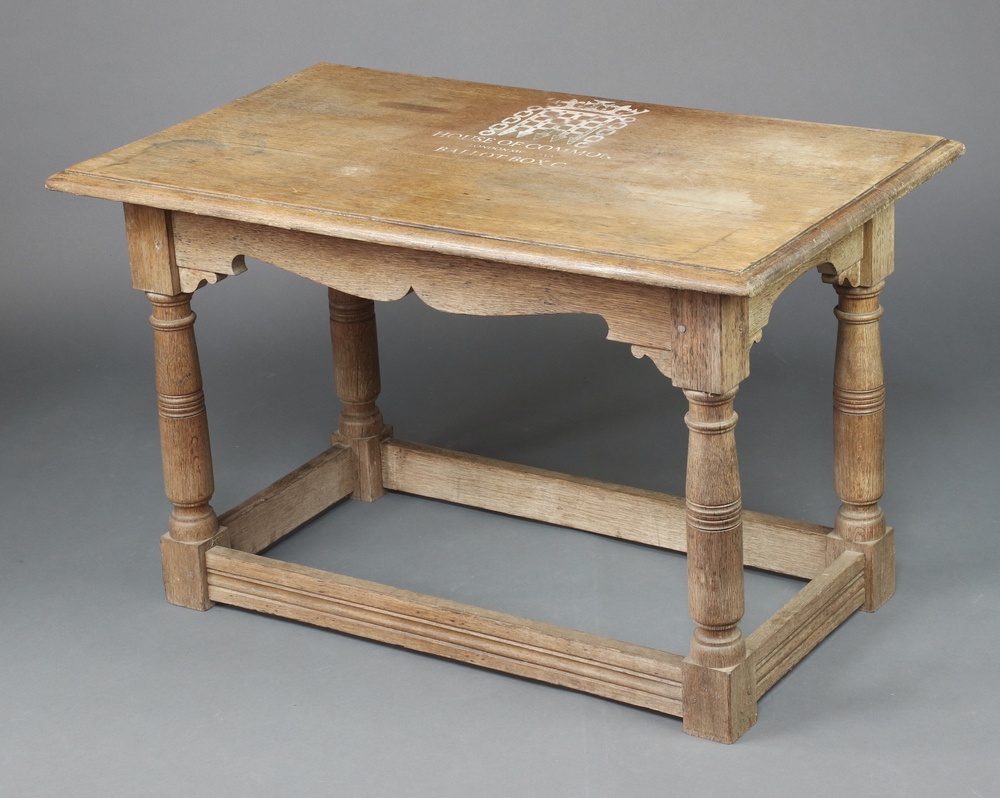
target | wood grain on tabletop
[{"x": 365, "y": 154}]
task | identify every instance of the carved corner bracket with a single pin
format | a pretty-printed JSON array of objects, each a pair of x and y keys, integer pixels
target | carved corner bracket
[
  {"x": 152, "y": 247},
  {"x": 193, "y": 279},
  {"x": 875, "y": 260},
  {"x": 838, "y": 262},
  {"x": 662, "y": 358}
]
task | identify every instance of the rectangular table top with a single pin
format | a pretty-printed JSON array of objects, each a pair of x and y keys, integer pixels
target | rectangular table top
[{"x": 631, "y": 191}]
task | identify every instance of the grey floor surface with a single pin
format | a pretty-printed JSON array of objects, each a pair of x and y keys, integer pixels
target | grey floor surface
[{"x": 108, "y": 690}]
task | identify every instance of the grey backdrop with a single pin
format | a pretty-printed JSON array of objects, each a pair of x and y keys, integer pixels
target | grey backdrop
[{"x": 107, "y": 690}]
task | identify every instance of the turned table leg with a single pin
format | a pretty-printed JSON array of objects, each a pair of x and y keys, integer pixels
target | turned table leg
[
  {"x": 859, "y": 438},
  {"x": 718, "y": 678},
  {"x": 187, "y": 456},
  {"x": 355, "y": 361}
]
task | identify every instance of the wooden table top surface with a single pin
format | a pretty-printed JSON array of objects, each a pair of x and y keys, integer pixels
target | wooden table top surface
[{"x": 626, "y": 190}]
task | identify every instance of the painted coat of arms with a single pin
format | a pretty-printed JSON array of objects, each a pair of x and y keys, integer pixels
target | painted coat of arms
[{"x": 578, "y": 122}]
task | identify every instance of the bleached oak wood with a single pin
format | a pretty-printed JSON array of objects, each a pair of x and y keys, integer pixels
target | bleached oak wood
[
  {"x": 296, "y": 498},
  {"x": 879, "y": 259},
  {"x": 355, "y": 358},
  {"x": 635, "y": 314},
  {"x": 192, "y": 279},
  {"x": 799, "y": 626},
  {"x": 151, "y": 250},
  {"x": 645, "y": 316},
  {"x": 714, "y": 531},
  {"x": 711, "y": 347},
  {"x": 876, "y": 260},
  {"x": 859, "y": 415},
  {"x": 643, "y": 516},
  {"x": 187, "y": 455},
  {"x": 837, "y": 259},
  {"x": 859, "y": 418},
  {"x": 680, "y": 227},
  {"x": 688, "y": 199},
  {"x": 859, "y": 409},
  {"x": 718, "y": 702},
  {"x": 621, "y": 671},
  {"x": 880, "y": 565}
]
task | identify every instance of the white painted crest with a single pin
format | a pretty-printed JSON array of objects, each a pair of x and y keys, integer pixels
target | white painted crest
[{"x": 578, "y": 122}]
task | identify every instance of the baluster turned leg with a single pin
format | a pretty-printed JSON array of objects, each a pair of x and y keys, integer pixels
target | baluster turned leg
[
  {"x": 355, "y": 360},
  {"x": 859, "y": 438},
  {"x": 719, "y": 698},
  {"x": 187, "y": 456}
]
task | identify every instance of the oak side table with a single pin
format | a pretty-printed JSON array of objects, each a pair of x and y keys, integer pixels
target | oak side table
[{"x": 679, "y": 227}]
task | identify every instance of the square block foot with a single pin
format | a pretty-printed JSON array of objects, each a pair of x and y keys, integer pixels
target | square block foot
[
  {"x": 368, "y": 462},
  {"x": 880, "y": 566},
  {"x": 185, "y": 578},
  {"x": 719, "y": 704}
]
